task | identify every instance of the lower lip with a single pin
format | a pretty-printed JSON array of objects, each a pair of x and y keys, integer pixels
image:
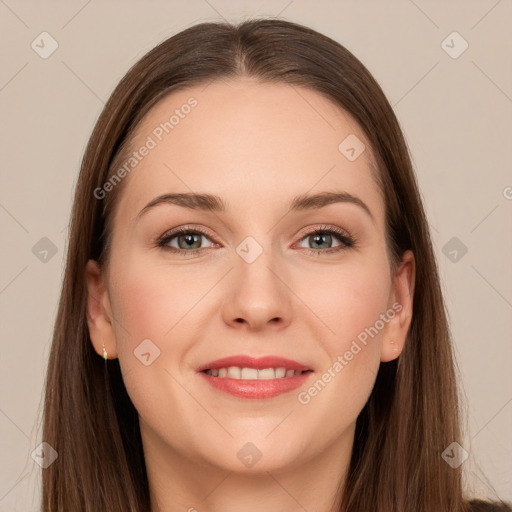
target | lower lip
[{"x": 256, "y": 388}]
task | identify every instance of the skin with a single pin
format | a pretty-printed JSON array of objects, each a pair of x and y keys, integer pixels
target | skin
[{"x": 257, "y": 146}]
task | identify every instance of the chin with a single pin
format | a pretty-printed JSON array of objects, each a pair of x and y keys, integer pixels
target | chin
[{"x": 253, "y": 454}]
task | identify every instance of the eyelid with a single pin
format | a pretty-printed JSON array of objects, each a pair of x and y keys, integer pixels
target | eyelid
[
  {"x": 344, "y": 237},
  {"x": 172, "y": 233},
  {"x": 308, "y": 230}
]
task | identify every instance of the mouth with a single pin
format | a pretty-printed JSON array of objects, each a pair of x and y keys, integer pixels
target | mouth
[
  {"x": 235, "y": 372},
  {"x": 247, "y": 377}
]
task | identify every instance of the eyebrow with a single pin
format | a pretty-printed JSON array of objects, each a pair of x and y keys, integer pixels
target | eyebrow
[{"x": 214, "y": 203}]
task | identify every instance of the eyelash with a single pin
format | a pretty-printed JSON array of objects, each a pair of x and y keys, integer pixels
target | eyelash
[{"x": 343, "y": 237}]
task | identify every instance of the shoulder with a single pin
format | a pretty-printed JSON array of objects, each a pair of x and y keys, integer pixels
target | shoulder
[{"x": 486, "y": 506}]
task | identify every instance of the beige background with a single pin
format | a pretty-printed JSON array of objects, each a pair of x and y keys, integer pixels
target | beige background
[{"x": 456, "y": 115}]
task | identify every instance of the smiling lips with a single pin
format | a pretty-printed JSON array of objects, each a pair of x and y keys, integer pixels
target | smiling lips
[{"x": 247, "y": 377}]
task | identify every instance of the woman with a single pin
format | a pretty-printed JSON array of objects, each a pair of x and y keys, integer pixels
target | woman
[{"x": 243, "y": 366}]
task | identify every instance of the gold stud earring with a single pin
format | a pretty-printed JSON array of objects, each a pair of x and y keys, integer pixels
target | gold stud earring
[{"x": 104, "y": 352}]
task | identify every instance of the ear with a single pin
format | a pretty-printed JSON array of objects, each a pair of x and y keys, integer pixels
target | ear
[
  {"x": 401, "y": 301},
  {"x": 99, "y": 313}
]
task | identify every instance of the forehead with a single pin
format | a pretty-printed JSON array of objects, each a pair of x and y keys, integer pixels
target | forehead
[{"x": 251, "y": 143}]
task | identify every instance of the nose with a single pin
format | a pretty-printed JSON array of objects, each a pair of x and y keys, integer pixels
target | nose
[{"x": 256, "y": 296}]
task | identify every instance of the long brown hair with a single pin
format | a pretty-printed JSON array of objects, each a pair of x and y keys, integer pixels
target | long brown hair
[{"x": 412, "y": 415}]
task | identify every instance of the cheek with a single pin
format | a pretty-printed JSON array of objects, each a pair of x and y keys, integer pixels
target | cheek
[
  {"x": 150, "y": 300},
  {"x": 346, "y": 298},
  {"x": 144, "y": 309},
  {"x": 160, "y": 303},
  {"x": 350, "y": 301}
]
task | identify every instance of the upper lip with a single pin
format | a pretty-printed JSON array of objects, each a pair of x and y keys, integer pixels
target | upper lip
[{"x": 259, "y": 363}]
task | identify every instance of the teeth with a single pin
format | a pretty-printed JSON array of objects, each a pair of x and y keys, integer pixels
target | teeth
[
  {"x": 280, "y": 372},
  {"x": 249, "y": 373},
  {"x": 267, "y": 373},
  {"x": 234, "y": 372}
]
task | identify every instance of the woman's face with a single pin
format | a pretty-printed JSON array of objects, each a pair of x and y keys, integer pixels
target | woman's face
[{"x": 257, "y": 282}]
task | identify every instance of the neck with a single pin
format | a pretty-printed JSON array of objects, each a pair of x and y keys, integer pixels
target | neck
[{"x": 179, "y": 483}]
